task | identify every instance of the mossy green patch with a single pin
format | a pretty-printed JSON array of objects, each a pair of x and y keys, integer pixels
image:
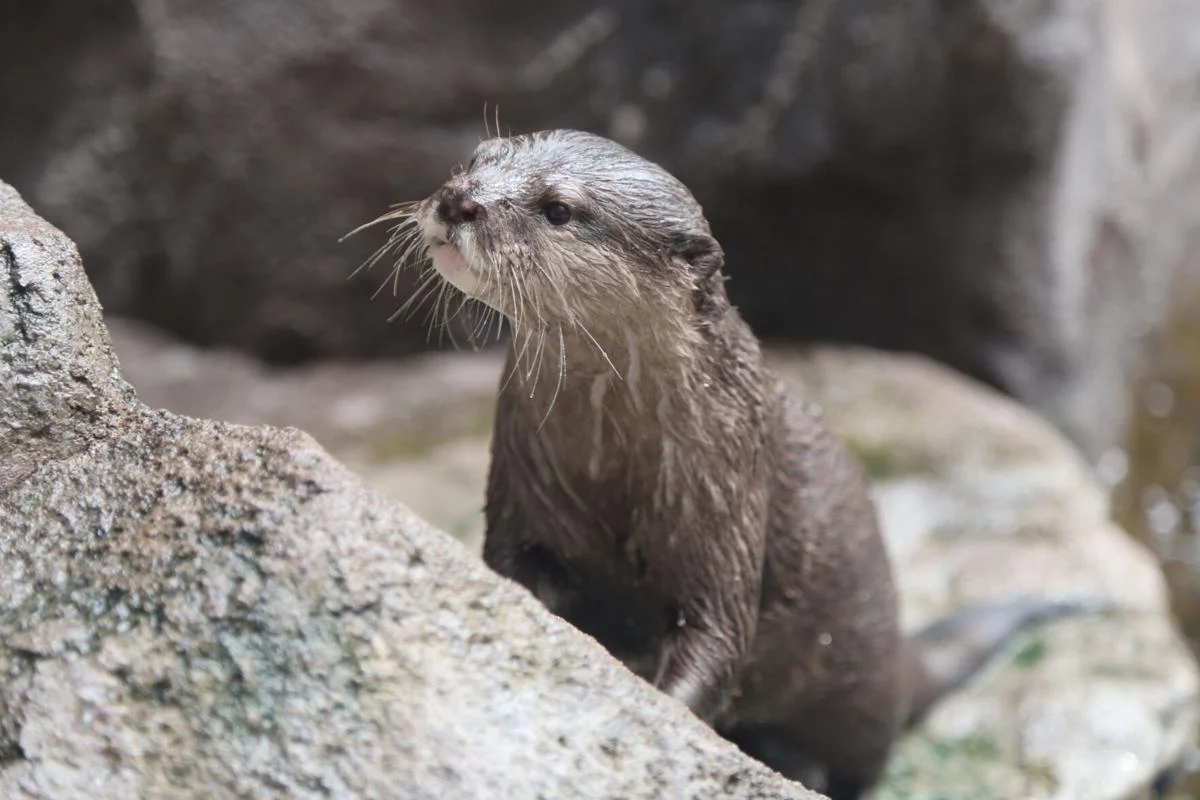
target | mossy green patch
[
  {"x": 430, "y": 430},
  {"x": 1011, "y": 451},
  {"x": 982, "y": 529},
  {"x": 1031, "y": 654},
  {"x": 465, "y": 527},
  {"x": 970, "y": 768},
  {"x": 884, "y": 462}
]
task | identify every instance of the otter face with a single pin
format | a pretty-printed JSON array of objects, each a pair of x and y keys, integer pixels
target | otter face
[{"x": 565, "y": 226}]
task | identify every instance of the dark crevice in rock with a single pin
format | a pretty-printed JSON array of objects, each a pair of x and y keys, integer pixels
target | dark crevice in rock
[
  {"x": 159, "y": 693},
  {"x": 10, "y": 752},
  {"x": 20, "y": 295}
]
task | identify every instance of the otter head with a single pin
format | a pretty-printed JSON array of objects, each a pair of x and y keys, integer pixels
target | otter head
[{"x": 568, "y": 227}]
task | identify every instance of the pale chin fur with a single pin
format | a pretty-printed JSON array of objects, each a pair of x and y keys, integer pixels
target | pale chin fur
[{"x": 448, "y": 260}]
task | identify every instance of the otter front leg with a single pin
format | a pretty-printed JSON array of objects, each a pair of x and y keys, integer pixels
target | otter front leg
[
  {"x": 533, "y": 566},
  {"x": 701, "y": 657},
  {"x": 699, "y": 666}
]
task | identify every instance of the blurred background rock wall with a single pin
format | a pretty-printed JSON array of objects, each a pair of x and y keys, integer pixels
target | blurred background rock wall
[{"x": 1009, "y": 186}]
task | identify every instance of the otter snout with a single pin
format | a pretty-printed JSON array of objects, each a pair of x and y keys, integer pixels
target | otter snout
[
  {"x": 441, "y": 218},
  {"x": 454, "y": 206}
]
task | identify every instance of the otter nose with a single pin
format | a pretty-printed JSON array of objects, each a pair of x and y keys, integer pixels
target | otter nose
[{"x": 454, "y": 206}]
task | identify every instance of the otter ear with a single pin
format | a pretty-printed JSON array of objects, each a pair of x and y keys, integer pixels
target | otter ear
[{"x": 702, "y": 252}]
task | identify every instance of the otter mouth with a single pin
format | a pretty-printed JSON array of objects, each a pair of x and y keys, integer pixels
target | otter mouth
[{"x": 450, "y": 261}]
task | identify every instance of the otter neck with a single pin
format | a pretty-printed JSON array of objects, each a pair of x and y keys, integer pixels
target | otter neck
[
  {"x": 665, "y": 344},
  {"x": 626, "y": 391}
]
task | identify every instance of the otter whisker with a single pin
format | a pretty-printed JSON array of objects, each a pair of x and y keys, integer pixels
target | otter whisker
[
  {"x": 530, "y": 300},
  {"x": 557, "y": 286},
  {"x": 508, "y": 377},
  {"x": 536, "y": 367},
  {"x": 537, "y": 361},
  {"x": 496, "y": 322},
  {"x": 408, "y": 235},
  {"x": 399, "y": 234},
  {"x": 396, "y": 211},
  {"x": 483, "y": 320},
  {"x": 603, "y": 353},
  {"x": 447, "y": 317},
  {"x": 480, "y": 314},
  {"x": 434, "y": 311},
  {"x": 562, "y": 375},
  {"x": 389, "y": 278},
  {"x": 520, "y": 334},
  {"x": 395, "y": 276},
  {"x": 392, "y": 243},
  {"x": 379, "y": 289},
  {"x": 422, "y": 293},
  {"x": 519, "y": 302},
  {"x": 463, "y": 301},
  {"x": 407, "y": 248},
  {"x": 444, "y": 329},
  {"x": 518, "y": 355},
  {"x": 416, "y": 242},
  {"x": 493, "y": 285},
  {"x": 517, "y": 309},
  {"x": 409, "y": 229},
  {"x": 392, "y": 277}
]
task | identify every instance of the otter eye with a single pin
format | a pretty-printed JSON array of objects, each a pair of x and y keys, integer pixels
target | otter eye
[{"x": 556, "y": 213}]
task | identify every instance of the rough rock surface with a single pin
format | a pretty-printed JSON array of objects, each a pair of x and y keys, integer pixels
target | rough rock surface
[
  {"x": 1006, "y": 186},
  {"x": 979, "y": 499},
  {"x": 413, "y": 428},
  {"x": 191, "y": 608}
]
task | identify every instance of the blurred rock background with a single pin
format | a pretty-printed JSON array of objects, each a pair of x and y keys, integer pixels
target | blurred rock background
[
  {"x": 1007, "y": 186},
  {"x": 1011, "y": 187}
]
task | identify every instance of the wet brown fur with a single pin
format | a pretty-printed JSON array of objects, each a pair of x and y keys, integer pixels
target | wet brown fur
[{"x": 654, "y": 483}]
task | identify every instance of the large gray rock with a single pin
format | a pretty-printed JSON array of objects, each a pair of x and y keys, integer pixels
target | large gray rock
[
  {"x": 979, "y": 498},
  {"x": 1006, "y": 186},
  {"x": 196, "y": 609}
]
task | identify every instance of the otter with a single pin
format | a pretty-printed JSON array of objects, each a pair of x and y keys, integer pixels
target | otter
[{"x": 654, "y": 483}]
